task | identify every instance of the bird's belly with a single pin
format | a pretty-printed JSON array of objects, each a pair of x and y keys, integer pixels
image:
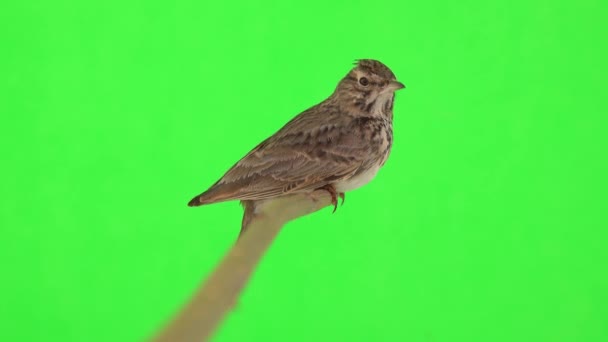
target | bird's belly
[{"x": 356, "y": 181}]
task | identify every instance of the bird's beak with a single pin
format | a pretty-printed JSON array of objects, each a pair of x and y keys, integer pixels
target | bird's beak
[{"x": 395, "y": 85}]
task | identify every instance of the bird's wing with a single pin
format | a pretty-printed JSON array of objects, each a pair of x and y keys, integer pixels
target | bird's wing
[{"x": 303, "y": 155}]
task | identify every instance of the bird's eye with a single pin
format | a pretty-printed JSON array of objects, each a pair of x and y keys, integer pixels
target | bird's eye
[{"x": 363, "y": 81}]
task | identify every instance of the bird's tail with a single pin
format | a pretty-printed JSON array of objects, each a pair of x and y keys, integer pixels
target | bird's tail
[
  {"x": 212, "y": 195},
  {"x": 216, "y": 193},
  {"x": 196, "y": 201}
]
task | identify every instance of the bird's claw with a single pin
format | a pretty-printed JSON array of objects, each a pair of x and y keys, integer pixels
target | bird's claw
[{"x": 334, "y": 195}]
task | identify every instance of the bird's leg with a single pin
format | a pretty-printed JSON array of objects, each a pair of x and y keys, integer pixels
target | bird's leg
[
  {"x": 334, "y": 195},
  {"x": 342, "y": 196}
]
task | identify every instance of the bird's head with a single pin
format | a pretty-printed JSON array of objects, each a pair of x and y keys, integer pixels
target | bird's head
[{"x": 368, "y": 89}]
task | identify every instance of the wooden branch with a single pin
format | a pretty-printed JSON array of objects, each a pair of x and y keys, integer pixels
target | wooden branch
[{"x": 201, "y": 315}]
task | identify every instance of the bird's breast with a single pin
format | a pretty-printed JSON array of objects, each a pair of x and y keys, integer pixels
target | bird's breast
[
  {"x": 377, "y": 134},
  {"x": 358, "y": 180}
]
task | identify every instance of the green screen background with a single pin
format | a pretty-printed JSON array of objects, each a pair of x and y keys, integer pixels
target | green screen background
[{"x": 488, "y": 223}]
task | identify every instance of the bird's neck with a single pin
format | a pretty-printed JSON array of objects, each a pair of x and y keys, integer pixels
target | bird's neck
[{"x": 380, "y": 106}]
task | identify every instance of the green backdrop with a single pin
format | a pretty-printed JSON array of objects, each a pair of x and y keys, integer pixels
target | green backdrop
[{"x": 488, "y": 223}]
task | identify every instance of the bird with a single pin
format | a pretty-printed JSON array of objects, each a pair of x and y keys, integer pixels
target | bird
[{"x": 337, "y": 145}]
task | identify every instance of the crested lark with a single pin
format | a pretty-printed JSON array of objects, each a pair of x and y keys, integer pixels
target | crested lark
[{"x": 338, "y": 145}]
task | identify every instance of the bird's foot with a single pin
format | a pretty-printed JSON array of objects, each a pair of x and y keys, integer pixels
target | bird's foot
[{"x": 334, "y": 195}]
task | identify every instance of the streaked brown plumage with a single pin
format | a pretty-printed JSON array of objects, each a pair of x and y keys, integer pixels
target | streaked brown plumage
[{"x": 338, "y": 145}]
